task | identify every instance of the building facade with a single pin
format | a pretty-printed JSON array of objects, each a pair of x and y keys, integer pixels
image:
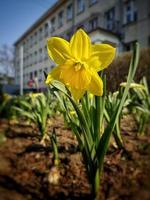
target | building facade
[
  {"x": 6, "y": 79},
  {"x": 116, "y": 22}
]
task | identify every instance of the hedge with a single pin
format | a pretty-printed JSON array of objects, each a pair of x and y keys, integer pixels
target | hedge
[{"x": 117, "y": 71}]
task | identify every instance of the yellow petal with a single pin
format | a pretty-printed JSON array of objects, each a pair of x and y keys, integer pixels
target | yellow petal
[
  {"x": 76, "y": 93},
  {"x": 48, "y": 79},
  {"x": 105, "y": 52},
  {"x": 79, "y": 79},
  {"x": 58, "y": 49},
  {"x": 96, "y": 84},
  {"x": 94, "y": 62},
  {"x": 55, "y": 74},
  {"x": 80, "y": 45}
]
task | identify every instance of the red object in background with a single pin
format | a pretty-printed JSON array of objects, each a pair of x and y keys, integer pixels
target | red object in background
[{"x": 30, "y": 83}]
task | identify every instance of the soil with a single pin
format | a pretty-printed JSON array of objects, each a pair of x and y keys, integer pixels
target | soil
[{"x": 26, "y": 166}]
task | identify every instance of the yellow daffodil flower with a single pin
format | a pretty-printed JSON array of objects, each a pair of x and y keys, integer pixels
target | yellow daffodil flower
[{"x": 78, "y": 63}]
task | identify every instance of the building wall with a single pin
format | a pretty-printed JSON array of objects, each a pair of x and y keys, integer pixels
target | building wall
[
  {"x": 116, "y": 16},
  {"x": 139, "y": 30}
]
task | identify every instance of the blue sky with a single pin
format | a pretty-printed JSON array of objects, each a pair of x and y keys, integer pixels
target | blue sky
[{"x": 16, "y": 16}]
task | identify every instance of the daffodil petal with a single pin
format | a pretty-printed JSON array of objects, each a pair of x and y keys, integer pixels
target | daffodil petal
[
  {"x": 77, "y": 79},
  {"x": 80, "y": 45},
  {"x": 94, "y": 62},
  {"x": 96, "y": 84},
  {"x": 76, "y": 93},
  {"x": 55, "y": 74},
  {"x": 58, "y": 49},
  {"x": 49, "y": 79},
  {"x": 105, "y": 52}
]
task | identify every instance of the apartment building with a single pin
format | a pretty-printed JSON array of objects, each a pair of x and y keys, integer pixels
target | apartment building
[{"x": 116, "y": 22}]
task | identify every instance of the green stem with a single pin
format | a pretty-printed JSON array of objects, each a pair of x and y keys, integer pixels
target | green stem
[
  {"x": 55, "y": 148},
  {"x": 97, "y": 118},
  {"x": 96, "y": 185},
  {"x": 117, "y": 135}
]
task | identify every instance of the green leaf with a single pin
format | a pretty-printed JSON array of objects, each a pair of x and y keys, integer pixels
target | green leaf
[
  {"x": 104, "y": 141},
  {"x": 59, "y": 86},
  {"x": 24, "y": 113}
]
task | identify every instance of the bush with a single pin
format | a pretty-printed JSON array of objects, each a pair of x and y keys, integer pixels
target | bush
[{"x": 118, "y": 70}]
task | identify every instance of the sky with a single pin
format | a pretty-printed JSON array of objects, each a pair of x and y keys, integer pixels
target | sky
[{"x": 16, "y": 16}]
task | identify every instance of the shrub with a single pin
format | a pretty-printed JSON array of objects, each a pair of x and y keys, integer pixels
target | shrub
[{"x": 117, "y": 71}]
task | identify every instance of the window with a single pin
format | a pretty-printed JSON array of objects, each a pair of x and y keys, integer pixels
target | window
[
  {"x": 27, "y": 61},
  {"x": 69, "y": 12},
  {"x": 35, "y": 37},
  {"x": 31, "y": 75},
  {"x": 80, "y": 26},
  {"x": 129, "y": 46},
  {"x": 40, "y": 75},
  {"x": 93, "y": 23},
  {"x": 24, "y": 46},
  {"x": 110, "y": 19},
  {"x": 92, "y": 2},
  {"x": 35, "y": 73},
  {"x": 80, "y": 6},
  {"x": 27, "y": 43},
  {"x": 68, "y": 35},
  {"x": 46, "y": 29},
  {"x": 24, "y": 62},
  {"x": 45, "y": 69},
  {"x": 53, "y": 24},
  {"x": 45, "y": 53},
  {"x": 130, "y": 12},
  {"x": 40, "y": 71},
  {"x": 31, "y": 59},
  {"x": 24, "y": 65},
  {"x": 31, "y": 41},
  {"x": 40, "y": 33},
  {"x": 40, "y": 55},
  {"x": 60, "y": 19},
  {"x": 35, "y": 57}
]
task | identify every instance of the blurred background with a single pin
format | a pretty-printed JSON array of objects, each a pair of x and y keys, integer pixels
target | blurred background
[
  {"x": 31, "y": 115},
  {"x": 25, "y": 26}
]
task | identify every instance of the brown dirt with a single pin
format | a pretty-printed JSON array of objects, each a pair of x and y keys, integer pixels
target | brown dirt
[{"x": 25, "y": 165}]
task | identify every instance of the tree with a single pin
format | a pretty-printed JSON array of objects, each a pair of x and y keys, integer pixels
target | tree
[{"x": 7, "y": 59}]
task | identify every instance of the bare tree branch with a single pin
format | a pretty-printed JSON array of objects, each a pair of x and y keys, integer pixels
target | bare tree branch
[{"x": 6, "y": 58}]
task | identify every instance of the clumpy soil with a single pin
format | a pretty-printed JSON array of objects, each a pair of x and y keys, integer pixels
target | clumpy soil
[{"x": 26, "y": 165}]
